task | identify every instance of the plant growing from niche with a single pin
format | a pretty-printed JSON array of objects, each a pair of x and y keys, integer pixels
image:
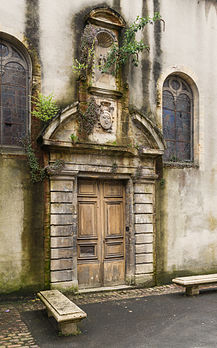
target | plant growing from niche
[
  {"x": 117, "y": 56},
  {"x": 129, "y": 48},
  {"x": 87, "y": 48}
]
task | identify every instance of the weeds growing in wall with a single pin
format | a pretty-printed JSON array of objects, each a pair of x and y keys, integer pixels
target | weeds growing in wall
[
  {"x": 45, "y": 107},
  {"x": 118, "y": 55}
]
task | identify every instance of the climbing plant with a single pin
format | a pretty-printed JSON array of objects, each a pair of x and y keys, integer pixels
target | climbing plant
[
  {"x": 86, "y": 49},
  {"x": 89, "y": 118},
  {"x": 130, "y": 47},
  {"x": 118, "y": 56},
  {"x": 38, "y": 173}
]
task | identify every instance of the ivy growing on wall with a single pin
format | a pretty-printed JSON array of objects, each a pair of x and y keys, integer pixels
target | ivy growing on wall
[
  {"x": 38, "y": 173},
  {"x": 87, "y": 49},
  {"x": 88, "y": 119}
]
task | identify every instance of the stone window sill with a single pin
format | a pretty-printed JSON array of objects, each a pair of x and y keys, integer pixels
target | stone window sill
[
  {"x": 180, "y": 165},
  {"x": 12, "y": 150}
]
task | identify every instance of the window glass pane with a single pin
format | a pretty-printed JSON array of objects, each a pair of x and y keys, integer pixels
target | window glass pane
[
  {"x": 175, "y": 84},
  {"x": 14, "y": 96},
  {"x": 183, "y": 151},
  {"x": 183, "y": 103},
  {"x": 177, "y": 119},
  {"x": 169, "y": 124},
  {"x": 170, "y": 152},
  {"x": 168, "y": 100},
  {"x": 183, "y": 126},
  {"x": 13, "y": 133},
  {"x": 14, "y": 74}
]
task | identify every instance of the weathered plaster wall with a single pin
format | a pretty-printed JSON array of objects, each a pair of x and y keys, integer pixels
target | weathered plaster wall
[
  {"x": 186, "y": 235},
  {"x": 21, "y": 202},
  {"x": 13, "y": 17},
  {"x": 21, "y": 225},
  {"x": 60, "y": 38}
]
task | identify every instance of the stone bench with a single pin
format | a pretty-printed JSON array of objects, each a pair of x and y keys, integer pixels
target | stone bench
[
  {"x": 192, "y": 283},
  {"x": 66, "y": 313}
]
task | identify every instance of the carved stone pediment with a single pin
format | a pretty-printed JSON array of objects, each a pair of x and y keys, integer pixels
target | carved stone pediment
[
  {"x": 63, "y": 125},
  {"x": 146, "y": 135},
  {"x": 106, "y": 17}
]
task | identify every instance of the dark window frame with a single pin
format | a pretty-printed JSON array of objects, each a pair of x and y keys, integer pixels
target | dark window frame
[
  {"x": 14, "y": 96},
  {"x": 180, "y": 146}
]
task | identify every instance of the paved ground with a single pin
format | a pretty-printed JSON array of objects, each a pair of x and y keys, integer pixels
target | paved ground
[{"x": 131, "y": 318}]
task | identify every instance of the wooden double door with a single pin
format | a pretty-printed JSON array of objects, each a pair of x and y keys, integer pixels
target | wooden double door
[{"x": 101, "y": 233}]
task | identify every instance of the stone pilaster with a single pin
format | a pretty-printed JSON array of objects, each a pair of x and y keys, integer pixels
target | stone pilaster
[
  {"x": 63, "y": 229},
  {"x": 144, "y": 230}
]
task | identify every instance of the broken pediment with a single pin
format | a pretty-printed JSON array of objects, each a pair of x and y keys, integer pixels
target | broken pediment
[
  {"x": 142, "y": 137},
  {"x": 146, "y": 135},
  {"x": 63, "y": 126},
  {"x": 67, "y": 127}
]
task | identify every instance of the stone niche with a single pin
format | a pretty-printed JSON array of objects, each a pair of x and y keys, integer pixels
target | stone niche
[{"x": 122, "y": 148}]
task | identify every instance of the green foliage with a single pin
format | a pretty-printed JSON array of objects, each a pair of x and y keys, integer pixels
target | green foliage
[
  {"x": 87, "y": 50},
  {"x": 117, "y": 56},
  {"x": 162, "y": 182},
  {"x": 130, "y": 47},
  {"x": 45, "y": 107},
  {"x": 74, "y": 138},
  {"x": 38, "y": 174},
  {"x": 89, "y": 118}
]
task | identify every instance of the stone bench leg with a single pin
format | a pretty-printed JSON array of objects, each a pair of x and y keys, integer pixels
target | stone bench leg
[
  {"x": 68, "y": 328},
  {"x": 49, "y": 314},
  {"x": 192, "y": 290}
]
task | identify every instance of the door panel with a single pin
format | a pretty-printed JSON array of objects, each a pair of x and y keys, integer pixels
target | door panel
[
  {"x": 114, "y": 249},
  {"x": 87, "y": 188},
  {"x": 87, "y": 251},
  {"x": 114, "y": 272},
  {"x": 89, "y": 275},
  {"x": 87, "y": 219},
  {"x": 113, "y": 189},
  {"x": 101, "y": 256},
  {"x": 113, "y": 219}
]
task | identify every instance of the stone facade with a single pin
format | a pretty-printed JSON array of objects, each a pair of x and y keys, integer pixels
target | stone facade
[{"x": 170, "y": 219}]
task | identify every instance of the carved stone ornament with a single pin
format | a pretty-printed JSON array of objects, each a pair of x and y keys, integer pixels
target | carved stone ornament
[
  {"x": 105, "y": 39},
  {"x": 105, "y": 115}
]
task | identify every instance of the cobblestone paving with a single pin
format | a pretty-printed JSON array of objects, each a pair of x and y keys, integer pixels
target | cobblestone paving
[
  {"x": 123, "y": 294},
  {"x": 15, "y": 333}
]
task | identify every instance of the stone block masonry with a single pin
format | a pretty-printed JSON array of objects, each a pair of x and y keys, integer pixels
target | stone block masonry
[
  {"x": 62, "y": 225},
  {"x": 144, "y": 229}
]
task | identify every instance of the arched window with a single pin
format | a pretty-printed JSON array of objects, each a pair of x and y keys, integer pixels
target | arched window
[
  {"x": 14, "y": 91},
  {"x": 178, "y": 119}
]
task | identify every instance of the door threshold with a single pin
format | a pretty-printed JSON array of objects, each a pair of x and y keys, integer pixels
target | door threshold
[{"x": 106, "y": 288}]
